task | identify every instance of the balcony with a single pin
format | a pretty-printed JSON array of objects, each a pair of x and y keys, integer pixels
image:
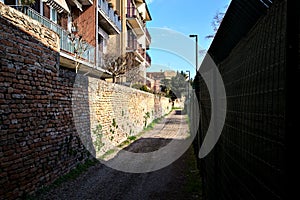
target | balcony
[
  {"x": 66, "y": 47},
  {"x": 136, "y": 20},
  {"x": 134, "y": 47},
  {"x": 108, "y": 19},
  {"x": 148, "y": 37}
]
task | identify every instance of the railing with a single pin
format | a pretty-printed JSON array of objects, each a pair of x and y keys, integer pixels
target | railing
[
  {"x": 148, "y": 35},
  {"x": 65, "y": 43},
  {"x": 109, "y": 11},
  {"x": 132, "y": 43},
  {"x": 132, "y": 12}
]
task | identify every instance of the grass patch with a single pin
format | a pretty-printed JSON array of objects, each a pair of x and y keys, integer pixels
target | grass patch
[
  {"x": 156, "y": 121},
  {"x": 109, "y": 152},
  {"x": 176, "y": 108},
  {"x": 153, "y": 123},
  {"x": 72, "y": 175},
  {"x": 132, "y": 138},
  {"x": 193, "y": 184},
  {"x": 129, "y": 140}
]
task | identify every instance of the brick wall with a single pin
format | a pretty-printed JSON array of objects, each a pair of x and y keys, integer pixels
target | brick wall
[
  {"x": 86, "y": 22},
  {"x": 38, "y": 138}
]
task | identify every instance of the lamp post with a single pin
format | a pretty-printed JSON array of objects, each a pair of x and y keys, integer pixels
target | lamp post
[
  {"x": 196, "y": 36},
  {"x": 189, "y": 83}
]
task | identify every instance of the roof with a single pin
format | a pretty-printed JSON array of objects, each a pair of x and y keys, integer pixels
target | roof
[{"x": 240, "y": 17}]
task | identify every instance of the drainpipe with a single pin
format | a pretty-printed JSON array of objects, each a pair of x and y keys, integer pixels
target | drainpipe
[
  {"x": 123, "y": 17},
  {"x": 96, "y": 32}
]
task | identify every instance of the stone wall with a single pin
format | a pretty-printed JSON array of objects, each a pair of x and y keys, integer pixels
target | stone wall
[
  {"x": 33, "y": 28},
  {"x": 120, "y": 111}
]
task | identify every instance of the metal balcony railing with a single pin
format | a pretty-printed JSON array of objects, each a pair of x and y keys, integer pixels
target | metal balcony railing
[
  {"x": 114, "y": 18},
  {"x": 132, "y": 12},
  {"x": 65, "y": 43}
]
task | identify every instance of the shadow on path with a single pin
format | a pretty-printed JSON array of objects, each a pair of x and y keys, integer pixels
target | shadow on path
[{"x": 179, "y": 180}]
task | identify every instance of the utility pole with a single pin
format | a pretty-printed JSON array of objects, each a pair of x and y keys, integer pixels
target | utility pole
[{"x": 196, "y": 36}]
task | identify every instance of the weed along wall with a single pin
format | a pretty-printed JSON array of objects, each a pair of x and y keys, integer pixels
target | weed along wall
[{"x": 39, "y": 125}]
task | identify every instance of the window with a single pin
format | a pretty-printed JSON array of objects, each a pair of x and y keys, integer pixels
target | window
[
  {"x": 131, "y": 39},
  {"x": 53, "y": 15},
  {"x": 102, "y": 44}
]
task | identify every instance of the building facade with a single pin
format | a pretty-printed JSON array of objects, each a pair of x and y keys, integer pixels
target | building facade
[
  {"x": 90, "y": 29},
  {"x": 135, "y": 38}
]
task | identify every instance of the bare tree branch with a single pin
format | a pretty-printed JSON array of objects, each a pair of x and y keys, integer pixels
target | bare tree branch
[
  {"x": 216, "y": 22},
  {"x": 119, "y": 64}
]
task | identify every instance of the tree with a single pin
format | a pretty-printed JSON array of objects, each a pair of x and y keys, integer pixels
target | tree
[
  {"x": 176, "y": 86},
  {"x": 165, "y": 86},
  {"x": 133, "y": 76},
  {"x": 179, "y": 84},
  {"x": 27, "y": 2},
  {"x": 119, "y": 64},
  {"x": 216, "y": 22}
]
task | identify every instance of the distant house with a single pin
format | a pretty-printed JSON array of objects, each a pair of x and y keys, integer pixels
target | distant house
[{"x": 157, "y": 77}]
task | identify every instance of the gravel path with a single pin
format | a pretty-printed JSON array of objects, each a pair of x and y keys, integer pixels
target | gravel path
[{"x": 176, "y": 181}]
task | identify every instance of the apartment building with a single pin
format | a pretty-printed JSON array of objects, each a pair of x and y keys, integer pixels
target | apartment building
[
  {"x": 87, "y": 27},
  {"x": 135, "y": 38},
  {"x": 138, "y": 39}
]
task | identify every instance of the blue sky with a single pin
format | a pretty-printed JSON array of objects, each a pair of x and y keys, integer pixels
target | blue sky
[{"x": 184, "y": 18}]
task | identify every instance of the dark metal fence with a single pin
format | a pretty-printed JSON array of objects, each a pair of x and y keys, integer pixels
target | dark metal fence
[{"x": 248, "y": 160}]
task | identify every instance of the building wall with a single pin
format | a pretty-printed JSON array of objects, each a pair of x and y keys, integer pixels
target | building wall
[
  {"x": 86, "y": 21},
  {"x": 46, "y": 11},
  {"x": 248, "y": 160}
]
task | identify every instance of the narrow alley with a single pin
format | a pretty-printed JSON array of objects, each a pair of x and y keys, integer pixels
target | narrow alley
[{"x": 180, "y": 180}]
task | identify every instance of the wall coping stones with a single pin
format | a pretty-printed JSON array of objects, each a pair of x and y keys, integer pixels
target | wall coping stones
[{"x": 32, "y": 27}]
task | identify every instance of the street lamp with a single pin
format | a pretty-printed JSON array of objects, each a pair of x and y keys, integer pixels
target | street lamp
[
  {"x": 196, "y": 36},
  {"x": 189, "y": 83}
]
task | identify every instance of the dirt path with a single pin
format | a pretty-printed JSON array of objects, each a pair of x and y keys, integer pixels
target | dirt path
[{"x": 180, "y": 180}]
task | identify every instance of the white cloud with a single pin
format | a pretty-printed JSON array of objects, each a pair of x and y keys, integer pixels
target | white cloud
[{"x": 149, "y": 1}]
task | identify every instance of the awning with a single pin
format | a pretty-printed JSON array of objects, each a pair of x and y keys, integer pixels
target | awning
[{"x": 59, "y": 5}]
